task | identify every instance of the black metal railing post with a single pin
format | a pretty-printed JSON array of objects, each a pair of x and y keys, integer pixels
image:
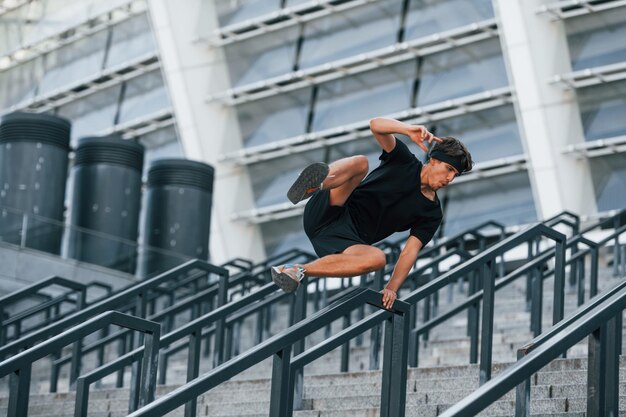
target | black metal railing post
[
  {"x": 279, "y": 394},
  {"x": 193, "y": 367},
  {"x": 536, "y": 309},
  {"x": 220, "y": 326},
  {"x": 487, "y": 273},
  {"x": 395, "y": 358},
  {"x": 611, "y": 372},
  {"x": 559, "y": 277},
  {"x": 473, "y": 326},
  {"x": 376, "y": 333},
  {"x": 19, "y": 392},
  {"x": 595, "y": 372}
]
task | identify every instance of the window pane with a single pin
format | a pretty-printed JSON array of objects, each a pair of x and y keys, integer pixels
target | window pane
[
  {"x": 73, "y": 62},
  {"x": 261, "y": 57},
  {"x": 20, "y": 83},
  {"x": 92, "y": 114},
  {"x": 609, "y": 180},
  {"x": 144, "y": 95},
  {"x": 374, "y": 93},
  {"x": 507, "y": 199},
  {"x": 602, "y": 110},
  {"x": 597, "y": 39},
  {"x": 489, "y": 134},
  {"x": 428, "y": 17},
  {"x": 355, "y": 31},
  {"x": 462, "y": 71},
  {"x": 236, "y": 11},
  {"x": 272, "y": 179},
  {"x": 130, "y": 39},
  {"x": 274, "y": 118}
]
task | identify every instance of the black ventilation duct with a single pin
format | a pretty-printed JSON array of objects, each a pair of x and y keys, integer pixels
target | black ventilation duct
[
  {"x": 178, "y": 214},
  {"x": 33, "y": 172},
  {"x": 106, "y": 201}
]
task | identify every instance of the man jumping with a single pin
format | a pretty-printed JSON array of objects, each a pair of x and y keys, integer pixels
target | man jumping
[{"x": 349, "y": 211}]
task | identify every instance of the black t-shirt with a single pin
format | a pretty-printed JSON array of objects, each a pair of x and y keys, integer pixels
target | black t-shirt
[{"x": 390, "y": 200}]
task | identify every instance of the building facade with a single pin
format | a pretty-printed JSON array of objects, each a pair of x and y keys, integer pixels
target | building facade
[{"x": 260, "y": 88}]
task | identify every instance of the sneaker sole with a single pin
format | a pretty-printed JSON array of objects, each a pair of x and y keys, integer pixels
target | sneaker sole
[
  {"x": 311, "y": 177},
  {"x": 284, "y": 281}
]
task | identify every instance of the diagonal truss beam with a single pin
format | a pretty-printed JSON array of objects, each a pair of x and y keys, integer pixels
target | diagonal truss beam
[
  {"x": 399, "y": 52},
  {"x": 80, "y": 31},
  {"x": 90, "y": 85},
  {"x": 358, "y": 130},
  {"x": 600, "y": 147},
  {"x": 570, "y": 8},
  {"x": 592, "y": 76},
  {"x": 288, "y": 16}
]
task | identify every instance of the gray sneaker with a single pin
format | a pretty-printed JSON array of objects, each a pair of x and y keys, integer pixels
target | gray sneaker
[
  {"x": 288, "y": 277},
  {"x": 308, "y": 182}
]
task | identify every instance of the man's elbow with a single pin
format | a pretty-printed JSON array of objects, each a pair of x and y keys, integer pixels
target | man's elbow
[{"x": 374, "y": 123}]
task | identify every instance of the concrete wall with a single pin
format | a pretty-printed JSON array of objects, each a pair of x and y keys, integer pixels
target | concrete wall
[{"x": 20, "y": 267}]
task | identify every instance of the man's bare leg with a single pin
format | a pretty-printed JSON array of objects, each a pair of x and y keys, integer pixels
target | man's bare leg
[
  {"x": 343, "y": 177},
  {"x": 355, "y": 260}
]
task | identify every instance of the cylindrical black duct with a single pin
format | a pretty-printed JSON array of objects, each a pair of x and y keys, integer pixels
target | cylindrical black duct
[
  {"x": 106, "y": 201},
  {"x": 178, "y": 214},
  {"x": 33, "y": 172}
]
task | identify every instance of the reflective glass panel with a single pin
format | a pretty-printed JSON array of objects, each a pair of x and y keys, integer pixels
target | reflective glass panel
[
  {"x": 73, "y": 62},
  {"x": 274, "y": 118},
  {"x": 602, "y": 109},
  {"x": 488, "y": 134},
  {"x": 426, "y": 17},
  {"x": 349, "y": 33},
  {"x": 130, "y": 39},
  {"x": 236, "y": 11},
  {"x": 20, "y": 83},
  {"x": 506, "y": 199},
  {"x": 143, "y": 96},
  {"x": 262, "y": 57},
  {"x": 93, "y": 114},
  {"x": 597, "y": 38},
  {"x": 272, "y": 179},
  {"x": 609, "y": 180},
  {"x": 363, "y": 96},
  {"x": 461, "y": 71}
]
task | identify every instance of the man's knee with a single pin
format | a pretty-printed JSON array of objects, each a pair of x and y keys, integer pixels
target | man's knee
[
  {"x": 361, "y": 164},
  {"x": 378, "y": 260}
]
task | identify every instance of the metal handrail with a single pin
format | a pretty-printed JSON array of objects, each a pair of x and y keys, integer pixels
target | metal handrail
[
  {"x": 280, "y": 346},
  {"x": 20, "y": 365},
  {"x": 137, "y": 294},
  {"x": 603, "y": 324},
  {"x": 163, "y": 315}
]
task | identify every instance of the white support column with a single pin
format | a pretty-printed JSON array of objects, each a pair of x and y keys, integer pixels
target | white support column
[
  {"x": 535, "y": 49},
  {"x": 192, "y": 70}
]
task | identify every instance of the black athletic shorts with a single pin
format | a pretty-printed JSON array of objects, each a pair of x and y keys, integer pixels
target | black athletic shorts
[{"x": 329, "y": 228}]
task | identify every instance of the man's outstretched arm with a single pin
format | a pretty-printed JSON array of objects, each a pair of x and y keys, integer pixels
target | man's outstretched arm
[
  {"x": 383, "y": 130},
  {"x": 407, "y": 259}
]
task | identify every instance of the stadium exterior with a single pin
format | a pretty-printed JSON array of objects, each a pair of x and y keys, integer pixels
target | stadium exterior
[{"x": 258, "y": 89}]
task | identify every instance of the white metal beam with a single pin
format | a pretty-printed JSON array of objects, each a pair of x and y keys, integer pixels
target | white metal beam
[
  {"x": 483, "y": 170},
  {"x": 354, "y": 131},
  {"x": 143, "y": 125},
  {"x": 592, "y": 76},
  {"x": 570, "y": 8},
  {"x": 382, "y": 57},
  {"x": 80, "y": 31},
  {"x": 9, "y": 6},
  {"x": 288, "y": 16},
  {"x": 94, "y": 83},
  {"x": 600, "y": 147}
]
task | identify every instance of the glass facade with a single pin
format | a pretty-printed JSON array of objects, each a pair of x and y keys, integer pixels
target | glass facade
[{"x": 428, "y": 79}]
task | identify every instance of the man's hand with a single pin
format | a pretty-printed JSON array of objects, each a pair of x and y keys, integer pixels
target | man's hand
[
  {"x": 389, "y": 296},
  {"x": 419, "y": 134}
]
